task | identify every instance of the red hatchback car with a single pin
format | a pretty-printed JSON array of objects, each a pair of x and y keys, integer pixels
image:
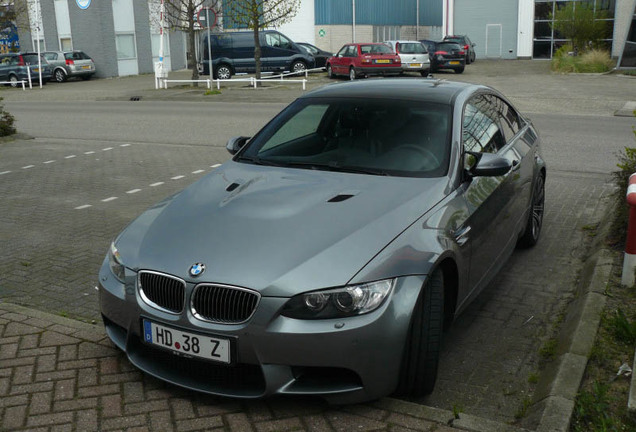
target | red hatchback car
[{"x": 362, "y": 59}]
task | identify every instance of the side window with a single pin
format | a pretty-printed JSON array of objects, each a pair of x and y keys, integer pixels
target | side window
[
  {"x": 509, "y": 119},
  {"x": 343, "y": 51},
  {"x": 273, "y": 40},
  {"x": 351, "y": 51},
  {"x": 285, "y": 43},
  {"x": 480, "y": 127},
  {"x": 303, "y": 123}
]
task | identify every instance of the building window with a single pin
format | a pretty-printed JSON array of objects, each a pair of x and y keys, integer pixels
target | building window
[
  {"x": 546, "y": 39},
  {"x": 385, "y": 33},
  {"x": 125, "y": 44}
]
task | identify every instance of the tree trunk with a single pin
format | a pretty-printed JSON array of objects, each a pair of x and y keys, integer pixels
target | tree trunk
[
  {"x": 192, "y": 60},
  {"x": 257, "y": 51}
]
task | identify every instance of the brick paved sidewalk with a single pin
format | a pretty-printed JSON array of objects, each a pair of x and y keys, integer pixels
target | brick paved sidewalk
[{"x": 57, "y": 375}]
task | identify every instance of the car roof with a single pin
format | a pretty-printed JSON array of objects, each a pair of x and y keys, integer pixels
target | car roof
[{"x": 429, "y": 90}]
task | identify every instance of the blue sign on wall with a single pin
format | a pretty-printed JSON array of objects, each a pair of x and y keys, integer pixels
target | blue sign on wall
[{"x": 83, "y": 4}]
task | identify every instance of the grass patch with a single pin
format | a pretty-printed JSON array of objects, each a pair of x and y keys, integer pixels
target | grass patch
[
  {"x": 548, "y": 350},
  {"x": 592, "y": 61},
  {"x": 212, "y": 92}
]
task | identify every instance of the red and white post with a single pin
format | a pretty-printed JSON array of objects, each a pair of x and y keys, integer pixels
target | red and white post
[{"x": 629, "y": 262}]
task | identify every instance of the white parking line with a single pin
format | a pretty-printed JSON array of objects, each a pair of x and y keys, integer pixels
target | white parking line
[
  {"x": 107, "y": 148},
  {"x": 109, "y": 199},
  {"x": 133, "y": 191},
  {"x": 48, "y": 162},
  {"x": 4, "y": 172},
  {"x": 198, "y": 171},
  {"x": 28, "y": 166},
  {"x": 177, "y": 177},
  {"x": 89, "y": 152},
  {"x": 215, "y": 166},
  {"x": 83, "y": 207},
  {"x": 156, "y": 184},
  {"x": 70, "y": 156},
  {"x": 124, "y": 145}
]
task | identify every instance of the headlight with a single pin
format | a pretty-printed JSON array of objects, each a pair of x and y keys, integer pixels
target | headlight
[
  {"x": 339, "y": 302},
  {"x": 115, "y": 262}
]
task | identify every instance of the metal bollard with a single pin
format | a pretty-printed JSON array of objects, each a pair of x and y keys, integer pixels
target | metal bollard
[{"x": 629, "y": 262}]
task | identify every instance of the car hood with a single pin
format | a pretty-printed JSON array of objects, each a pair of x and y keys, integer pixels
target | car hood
[{"x": 280, "y": 231}]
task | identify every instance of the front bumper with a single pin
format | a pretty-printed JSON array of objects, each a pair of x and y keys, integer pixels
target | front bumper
[{"x": 342, "y": 360}]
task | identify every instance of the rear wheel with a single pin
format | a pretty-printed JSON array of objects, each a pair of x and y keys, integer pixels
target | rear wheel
[
  {"x": 59, "y": 75},
  {"x": 13, "y": 81},
  {"x": 425, "y": 73},
  {"x": 530, "y": 236},
  {"x": 352, "y": 74},
  {"x": 424, "y": 340}
]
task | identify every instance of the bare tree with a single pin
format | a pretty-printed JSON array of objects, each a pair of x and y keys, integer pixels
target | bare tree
[
  {"x": 259, "y": 14},
  {"x": 182, "y": 15}
]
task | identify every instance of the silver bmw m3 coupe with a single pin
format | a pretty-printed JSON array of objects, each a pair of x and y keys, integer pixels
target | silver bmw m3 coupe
[{"x": 327, "y": 256}]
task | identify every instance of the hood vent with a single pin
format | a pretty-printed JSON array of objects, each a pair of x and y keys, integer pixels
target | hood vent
[
  {"x": 231, "y": 187},
  {"x": 340, "y": 198}
]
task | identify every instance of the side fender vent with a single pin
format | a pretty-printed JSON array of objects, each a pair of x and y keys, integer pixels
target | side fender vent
[
  {"x": 340, "y": 198},
  {"x": 231, "y": 187}
]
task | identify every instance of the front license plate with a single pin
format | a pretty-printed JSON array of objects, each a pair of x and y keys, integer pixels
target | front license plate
[
  {"x": 416, "y": 65},
  {"x": 454, "y": 62},
  {"x": 191, "y": 344},
  {"x": 383, "y": 61}
]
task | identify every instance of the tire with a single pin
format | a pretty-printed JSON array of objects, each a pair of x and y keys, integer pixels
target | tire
[
  {"x": 425, "y": 73},
  {"x": 473, "y": 57},
  {"x": 352, "y": 74},
  {"x": 531, "y": 234},
  {"x": 424, "y": 340},
  {"x": 330, "y": 73},
  {"x": 298, "y": 66},
  {"x": 223, "y": 72},
  {"x": 467, "y": 59},
  {"x": 59, "y": 75},
  {"x": 13, "y": 80},
  {"x": 460, "y": 70}
]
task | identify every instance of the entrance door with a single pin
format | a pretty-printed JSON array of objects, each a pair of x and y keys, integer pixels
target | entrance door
[{"x": 494, "y": 40}]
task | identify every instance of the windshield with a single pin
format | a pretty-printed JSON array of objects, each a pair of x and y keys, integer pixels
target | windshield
[{"x": 367, "y": 136}]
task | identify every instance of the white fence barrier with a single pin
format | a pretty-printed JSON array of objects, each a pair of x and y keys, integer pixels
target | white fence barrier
[
  {"x": 161, "y": 82},
  {"x": 15, "y": 82}
]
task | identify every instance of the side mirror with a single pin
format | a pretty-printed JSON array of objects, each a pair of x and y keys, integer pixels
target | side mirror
[
  {"x": 236, "y": 143},
  {"x": 486, "y": 164}
]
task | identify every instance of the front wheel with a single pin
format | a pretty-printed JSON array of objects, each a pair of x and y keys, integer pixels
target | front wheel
[
  {"x": 330, "y": 74},
  {"x": 352, "y": 74},
  {"x": 531, "y": 234},
  {"x": 424, "y": 340},
  {"x": 13, "y": 81},
  {"x": 298, "y": 67},
  {"x": 223, "y": 72}
]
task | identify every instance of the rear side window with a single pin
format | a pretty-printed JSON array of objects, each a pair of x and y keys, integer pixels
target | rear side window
[
  {"x": 50, "y": 56},
  {"x": 30, "y": 58}
]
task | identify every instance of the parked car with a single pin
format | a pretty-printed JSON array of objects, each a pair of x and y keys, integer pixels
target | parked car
[
  {"x": 445, "y": 55},
  {"x": 413, "y": 54},
  {"x": 464, "y": 41},
  {"x": 233, "y": 52},
  {"x": 320, "y": 56},
  {"x": 359, "y": 60},
  {"x": 13, "y": 68},
  {"x": 328, "y": 254},
  {"x": 70, "y": 64}
]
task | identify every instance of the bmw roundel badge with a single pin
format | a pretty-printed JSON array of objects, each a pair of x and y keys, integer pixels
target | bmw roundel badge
[{"x": 197, "y": 269}]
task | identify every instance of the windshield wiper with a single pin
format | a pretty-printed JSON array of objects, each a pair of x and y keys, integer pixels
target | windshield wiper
[
  {"x": 258, "y": 161},
  {"x": 334, "y": 166}
]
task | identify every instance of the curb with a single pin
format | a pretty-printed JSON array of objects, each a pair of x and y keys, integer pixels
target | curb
[{"x": 560, "y": 382}]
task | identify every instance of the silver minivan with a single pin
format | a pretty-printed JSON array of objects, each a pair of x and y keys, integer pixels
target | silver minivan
[{"x": 413, "y": 54}]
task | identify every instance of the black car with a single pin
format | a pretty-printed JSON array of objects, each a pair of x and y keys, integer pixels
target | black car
[
  {"x": 320, "y": 56},
  {"x": 464, "y": 42},
  {"x": 445, "y": 55}
]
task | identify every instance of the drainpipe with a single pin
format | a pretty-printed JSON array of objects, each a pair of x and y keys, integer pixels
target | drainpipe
[
  {"x": 353, "y": 5},
  {"x": 417, "y": 19}
]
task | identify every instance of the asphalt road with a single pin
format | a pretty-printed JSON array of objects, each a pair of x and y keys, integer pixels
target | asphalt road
[{"x": 93, "y": 166}]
